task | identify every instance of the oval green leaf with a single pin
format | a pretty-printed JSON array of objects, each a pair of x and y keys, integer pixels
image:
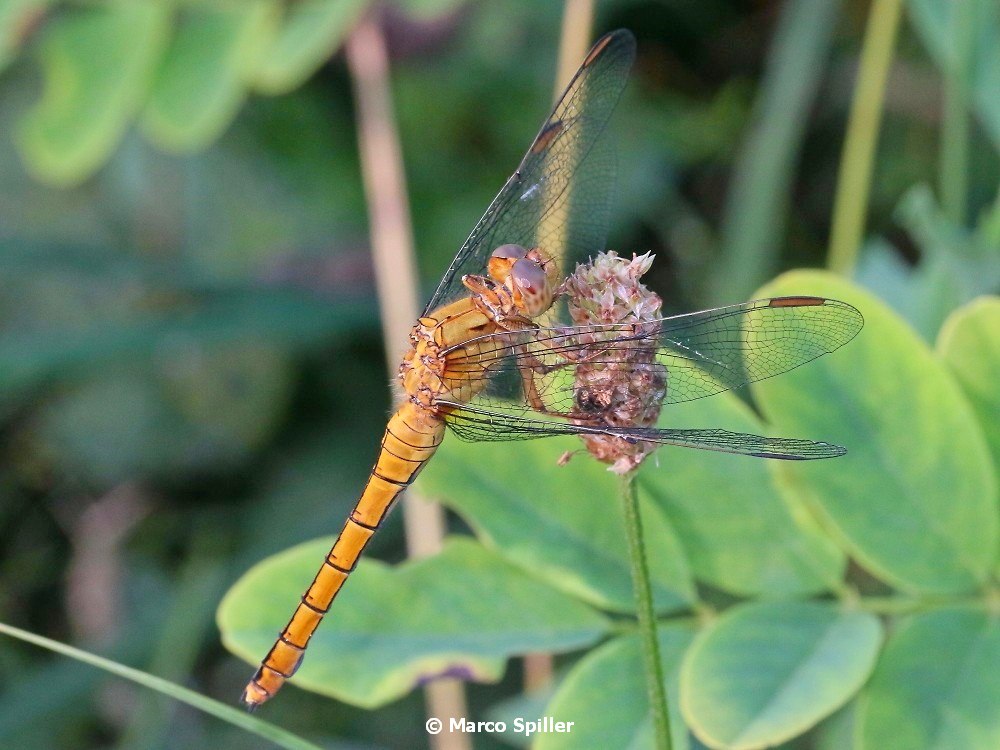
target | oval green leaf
[
  {"x": 914, "y": 499},
  {"x": 604, "y": 695},
  {"x": 561, "y": 522},
  {"x": 461, "y": 612},
  {"x": 311, "y": 31},
  {"x": 748, "y": 542},
  {"x": 98, "y": 63},
  {"x": 969, "y": 344},
  {"x": 764, "y": 673},
  {"x": 203, "y": 80},
  {"x": 937, "y": 685}
]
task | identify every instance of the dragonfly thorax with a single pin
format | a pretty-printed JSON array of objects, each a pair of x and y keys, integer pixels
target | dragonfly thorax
[
  {"x": 429, "y": 373},
  {"x": 423, "y": 365}
]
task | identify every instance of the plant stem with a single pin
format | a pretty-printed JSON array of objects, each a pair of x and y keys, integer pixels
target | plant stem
[
  {"x": 954, "y": 164},
  {"x": 854, "y": 180},
  {"x": 655, "y": 685},
  {"x": 235, "y": 716},
  {"x": 574, "y": 41},
  {"x": 757, "y": 204},
  {"x": 907, "y": 605}
]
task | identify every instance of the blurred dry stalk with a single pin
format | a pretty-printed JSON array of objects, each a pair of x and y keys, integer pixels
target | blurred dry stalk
[
  {"x": 857, "y": 160},
  {"x": 94, "y": 574},
  {"x": 396, "y": 282},
  {"x": 574, "y": 42}
]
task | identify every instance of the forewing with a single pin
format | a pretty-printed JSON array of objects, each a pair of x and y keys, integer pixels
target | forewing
[
  {"x": 560, "y": 196},
  {"x": 531, "y": 374},
  {"x": 711, "y": 351}
]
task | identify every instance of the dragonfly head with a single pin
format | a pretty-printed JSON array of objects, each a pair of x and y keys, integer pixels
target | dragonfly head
[{"x": 523, "y": 272}]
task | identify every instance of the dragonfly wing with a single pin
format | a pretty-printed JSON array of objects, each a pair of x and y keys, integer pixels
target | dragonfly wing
[
  {"x": 559, "y": 198},
  {"x": 703, "y": 353},
  {"x": 485, "y": 425},
  {"x": 711, "y": 351},
  {"x": 736, "y": 442}
]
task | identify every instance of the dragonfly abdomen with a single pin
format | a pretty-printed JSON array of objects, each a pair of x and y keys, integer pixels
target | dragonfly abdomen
[{"x": 411, "y": 437}]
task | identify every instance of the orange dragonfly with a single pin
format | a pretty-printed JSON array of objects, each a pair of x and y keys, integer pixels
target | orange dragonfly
[{"x": 489, "y": 360}]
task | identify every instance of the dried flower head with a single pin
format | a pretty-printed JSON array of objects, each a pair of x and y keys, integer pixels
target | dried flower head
[{"x": 618, "y": 381}]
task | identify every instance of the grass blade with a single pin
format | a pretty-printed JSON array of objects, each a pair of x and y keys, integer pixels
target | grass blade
[{"x": 231, "y": 714}]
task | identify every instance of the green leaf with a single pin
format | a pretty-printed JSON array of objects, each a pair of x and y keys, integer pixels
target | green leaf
[
  {"x": 969, "y": 344},
  {"x": 604, "y": 695},
  {"x": 312, "y": 31},
  {"x": 561, "y": 522},
  {"x": 203, "y": 80},
  {"x": 462, "y": 612},
  {"x": 98, "y": 63},
  {"x": 764, "y": 673},
  {"x": 933, "y": 21},
  {"x": 914, "y": 500},
  {"x": 937, "y": 685},
  {"x": 737, "y": 532},
  {"x": 227, "y": 713}
]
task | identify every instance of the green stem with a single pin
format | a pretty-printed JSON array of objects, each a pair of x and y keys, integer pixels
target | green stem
[
  {"x": 954, "y": 155},
  {"x": 655, "y": 685},
  {"x": 906, "y": 605},
  {"x": 854, "y": 180},
  {"x": 235, "y": 716}
]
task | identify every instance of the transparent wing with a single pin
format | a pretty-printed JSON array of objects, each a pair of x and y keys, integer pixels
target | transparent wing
[
  {"x": 559, "y": 198},
  {"x": 481, "y": 425},
  {"x": 527, "y": 377}
]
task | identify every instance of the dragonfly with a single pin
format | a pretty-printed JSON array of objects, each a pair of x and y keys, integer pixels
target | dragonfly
[{"x": 492, "y": 359}]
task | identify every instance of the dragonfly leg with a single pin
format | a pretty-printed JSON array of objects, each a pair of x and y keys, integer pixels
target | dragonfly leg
[
  {"x": 534, "y": 398},
  {"x": 530, "y": 390}
]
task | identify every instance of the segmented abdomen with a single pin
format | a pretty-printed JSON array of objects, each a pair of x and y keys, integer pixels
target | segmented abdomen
[{"x": 410, "y": 439}]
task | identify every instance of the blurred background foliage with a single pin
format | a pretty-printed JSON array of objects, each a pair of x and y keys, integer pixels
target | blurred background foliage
[{"x": 191, "y": 374}]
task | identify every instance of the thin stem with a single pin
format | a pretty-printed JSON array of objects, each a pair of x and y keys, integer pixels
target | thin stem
[
  {"x": 574, "y": 40},
  {"x": 235, "y": 716},
  {"x": 954, "y": 155},
  {"x": 907, "y": 605},
  {"x": 854, "y": 180},
  {"x": 769, "y": 157},
  {"x": 391, "y": 235},
  {"x": 655, "y": 684}
]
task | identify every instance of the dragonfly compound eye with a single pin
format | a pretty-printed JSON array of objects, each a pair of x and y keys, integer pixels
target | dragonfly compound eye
[{"x": 530, "y": 280}]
